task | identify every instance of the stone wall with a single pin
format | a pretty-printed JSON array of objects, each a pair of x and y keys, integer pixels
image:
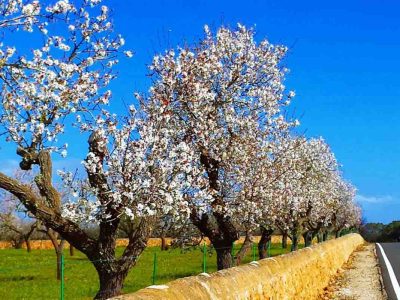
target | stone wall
[{"x": 301, "y": 274}]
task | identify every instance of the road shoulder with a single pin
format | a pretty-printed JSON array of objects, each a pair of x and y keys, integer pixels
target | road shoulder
[{"x": 359, "y": 278}]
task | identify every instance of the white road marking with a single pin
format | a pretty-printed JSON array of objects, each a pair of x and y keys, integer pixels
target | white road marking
[{"x": 392, "y": 276}]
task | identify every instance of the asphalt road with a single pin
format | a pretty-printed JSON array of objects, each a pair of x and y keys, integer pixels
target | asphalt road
[{"x": 389, "y": 260}]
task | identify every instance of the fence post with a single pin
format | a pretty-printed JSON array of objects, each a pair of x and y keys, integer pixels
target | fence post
[
  {"x": 62, "y": 277},
  {"x": 204, "y": 258},
  {"x": 154, "y": 269}
]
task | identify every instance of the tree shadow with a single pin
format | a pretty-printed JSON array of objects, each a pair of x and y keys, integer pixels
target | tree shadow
[{"x": 17, "y": 278}]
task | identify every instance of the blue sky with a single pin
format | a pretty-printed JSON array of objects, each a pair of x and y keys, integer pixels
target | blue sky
[{"x": 344, "y": 59}]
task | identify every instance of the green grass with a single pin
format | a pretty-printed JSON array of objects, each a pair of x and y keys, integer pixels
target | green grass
[{"x": 32, "y": 275}]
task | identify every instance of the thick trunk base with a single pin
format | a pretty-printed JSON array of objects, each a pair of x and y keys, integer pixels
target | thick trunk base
[
  {"x": 319, "y": 237},
  {"x": 295, "y": 243},
  {"x": 224, "y": 257},
  {"x": 164, "y": 245},
  {"x": 110, "y": 284},
  {"x": 246, "y": 246},
  {"x": 263, "y": 243},
  {"x": 284, "y": 240},
  {"x": 307, "y": 239},
  {"x": 28, "y": 245}
]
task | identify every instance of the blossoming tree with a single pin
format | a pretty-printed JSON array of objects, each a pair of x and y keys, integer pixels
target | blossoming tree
[
  {"x": 306, "y": 186},
  {"x": 202, "y": 146},
  {"x": 15, "y": 224},
  {"x": 347, "y": 214},
  {"x": 312, "y": 195},
  {"x": 60, "y": 85},
  {"x": 224, "y": 97}
]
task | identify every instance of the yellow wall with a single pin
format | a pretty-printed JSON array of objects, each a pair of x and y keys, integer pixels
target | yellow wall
[{"x": 301, "y": 274}]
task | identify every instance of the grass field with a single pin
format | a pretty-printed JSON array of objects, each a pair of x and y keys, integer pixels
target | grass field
[{"x": 32, "y": 275}]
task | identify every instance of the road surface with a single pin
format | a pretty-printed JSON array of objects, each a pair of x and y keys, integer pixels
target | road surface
[{"x": 389, "y": 260}]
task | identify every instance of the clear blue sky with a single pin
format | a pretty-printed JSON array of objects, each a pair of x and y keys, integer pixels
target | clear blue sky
[{"x": 344, "y": 61}]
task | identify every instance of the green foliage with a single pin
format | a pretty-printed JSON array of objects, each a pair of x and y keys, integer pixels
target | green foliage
[
  {"x": 392, "y": 232},
  {"x": 33, "y": 275},
  {"x": 378, "y": 232}
]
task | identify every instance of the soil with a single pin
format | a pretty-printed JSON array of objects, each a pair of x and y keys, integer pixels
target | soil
[{"x": 359, "y": 278}]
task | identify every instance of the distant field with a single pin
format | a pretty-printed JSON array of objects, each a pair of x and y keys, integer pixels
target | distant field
[
  {"x": 152, "y": 242},
  {"x": 32, "y": 275}
]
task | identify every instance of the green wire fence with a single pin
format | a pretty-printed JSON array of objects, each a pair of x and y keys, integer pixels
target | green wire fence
[
  {"x": 78, "y": 278},
  {"x": 205, "y": 249}
]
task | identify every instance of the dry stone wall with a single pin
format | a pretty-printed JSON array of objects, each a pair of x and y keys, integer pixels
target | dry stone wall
[{"x": 301, "y": 274}]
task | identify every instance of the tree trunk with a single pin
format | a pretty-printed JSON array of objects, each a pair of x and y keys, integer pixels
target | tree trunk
[
  {"x": 284, "y": 240},
  {"x": 58, "y": 255},
  {"x": 222, "y": 235},
  {"x": 48, "y": 212},
  {"x": 324, "y": 236},
  {"x": 111, "y": 283},
  {"x": 246, "y": 246},
  {"x": 295, "y": 243},
  {"x": 307, "y": 238},
  {"x": 28, "y": 245},
  {"x": 59, "y": 251},
  {"x": 313, "y": 235},
  {"x": 337, "y": 233},
  {"x": 112, "y": 271},
  {"x": 224, "y": 257},
  {"x": 58, "y": 247},
  {"x": 164, "y": 243},
  {"x": 71, "y": 250},
  {"x": 17, "y": 243},
  {"x": 319, "y": 237},
  {"x": 263, "y": 243}
]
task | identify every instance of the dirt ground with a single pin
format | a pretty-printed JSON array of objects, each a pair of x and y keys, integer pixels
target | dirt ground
[{"x": 359, "y": 278}]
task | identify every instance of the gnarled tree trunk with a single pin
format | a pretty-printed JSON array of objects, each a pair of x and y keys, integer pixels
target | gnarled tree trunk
[
  {"x": 244, "y": 249},
  {"x": 111, "y": 283},
  {"x": 112, "y": 271},
  {"x": 295, "y": 242},
  {"x": 307, "y": 236},
  {"x": 224, "y": 255},
  {"x": 263, "y": 243},
  {"x": 28, "y": 244},
  {"x": 319, "y": 237},
  {"x": 222, "y": 233},
  {"x": 164, "y": 245},
  {"x": 284, "y": 239},
  {"x": 47, "y": 209},
  {"x": 27, "y": 236},
  {"x": 58, "y": 247},
  {"x": 17, "y": 242}
]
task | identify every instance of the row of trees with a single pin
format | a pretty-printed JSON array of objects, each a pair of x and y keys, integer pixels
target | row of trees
[
  {"x": 379, "y": 232},
  {"x": 209, "y": 146}
]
